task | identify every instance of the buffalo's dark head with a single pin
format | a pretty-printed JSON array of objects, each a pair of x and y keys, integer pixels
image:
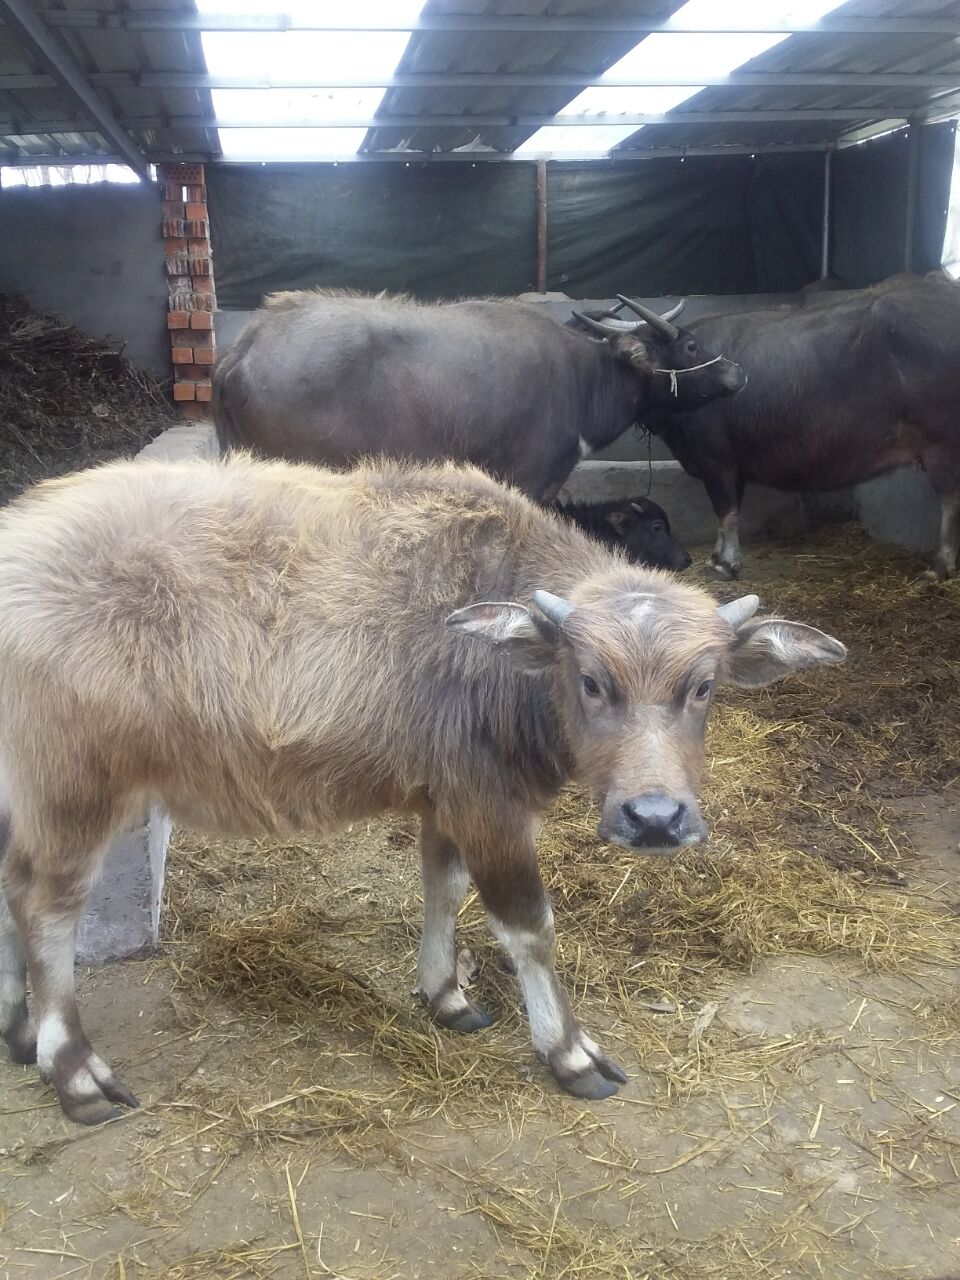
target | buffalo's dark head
[{"x": 676, "y": 372}]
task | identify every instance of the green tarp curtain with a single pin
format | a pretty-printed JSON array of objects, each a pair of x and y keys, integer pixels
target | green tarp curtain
[{"x": 717, "y": 225}]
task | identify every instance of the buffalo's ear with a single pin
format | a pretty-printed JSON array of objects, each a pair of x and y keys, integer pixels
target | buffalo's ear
[
  {"x": 528, "y": 640},
  {"x": 633, "y": 349},
  {"x": 772, "y": 648}
]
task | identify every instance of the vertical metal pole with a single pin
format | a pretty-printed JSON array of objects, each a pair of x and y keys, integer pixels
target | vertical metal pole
[
  {"x": 913, "y": 174},
  {"x": 827, "y": 214},
  {"x": 541, "y": 226}
]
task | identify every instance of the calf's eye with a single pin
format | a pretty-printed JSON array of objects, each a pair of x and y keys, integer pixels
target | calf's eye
[
  {"x": 703, "y": 690},
  {"x": 590, "y": 687}
]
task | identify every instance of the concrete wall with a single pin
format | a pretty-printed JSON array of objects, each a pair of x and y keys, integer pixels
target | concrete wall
[{"x": 93, "y": 255}]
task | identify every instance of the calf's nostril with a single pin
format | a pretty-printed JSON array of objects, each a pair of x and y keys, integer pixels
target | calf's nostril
[{"x": 655, "y": 818}]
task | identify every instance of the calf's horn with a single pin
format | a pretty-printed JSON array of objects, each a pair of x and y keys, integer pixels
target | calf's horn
[
  {"x": 653, "y": 318},
  {"x": 737, "y": 612},
  {"x": 553, "y": 607}
]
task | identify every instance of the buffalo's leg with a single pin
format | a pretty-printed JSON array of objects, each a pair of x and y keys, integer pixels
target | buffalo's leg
[
  {"x": 725, "y": 491},
  {"x": 521, "y": 919},
  {"x": 445, "y": 881},
  {"x": 945, "y": 561},
  {"x": 46, "y": 905}
]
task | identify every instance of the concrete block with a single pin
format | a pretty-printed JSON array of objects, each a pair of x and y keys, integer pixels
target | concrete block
[
  {"x": 123, "y": 914},
  {"x": 900, "y": 507},
  {"x": 180, "y": 444},
  {"x": 767, "y": 513}
]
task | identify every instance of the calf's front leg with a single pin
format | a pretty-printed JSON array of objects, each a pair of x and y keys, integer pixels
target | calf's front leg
[{"x": 509, "y": 882}]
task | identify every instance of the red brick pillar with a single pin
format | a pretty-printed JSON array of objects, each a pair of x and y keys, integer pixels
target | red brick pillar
[{"x": 193, "y": 300}]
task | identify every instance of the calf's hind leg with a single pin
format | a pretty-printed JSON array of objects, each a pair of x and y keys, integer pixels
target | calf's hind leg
[
  {"x": 46, "y": 902},
  {"x": 14, "y": 1019},
  {"x": 445, "y": 881}
]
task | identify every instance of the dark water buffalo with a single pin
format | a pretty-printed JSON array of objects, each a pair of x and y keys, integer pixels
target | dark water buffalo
[
  {"x": 331, "y": 378},
  {"x": 639, "y": 525},
  {"x": 423, "y": 640},
  {"x": 838, "y": 392}
]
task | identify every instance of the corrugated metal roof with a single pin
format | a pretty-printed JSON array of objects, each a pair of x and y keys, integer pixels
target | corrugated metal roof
[
  {"x": 158, "y": 119},
  {"x": 109, "y": 49}
]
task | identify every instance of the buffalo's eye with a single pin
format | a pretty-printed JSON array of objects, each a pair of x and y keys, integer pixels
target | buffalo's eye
[
  {"x": 691, "y": 348},
  {"x": 590, "y": 687},
  {"x": 703, "y": 690},
  {"x": 658, "y": 527}
]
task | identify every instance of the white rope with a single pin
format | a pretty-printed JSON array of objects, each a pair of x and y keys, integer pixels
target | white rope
[{"x": 694, "y": 368}]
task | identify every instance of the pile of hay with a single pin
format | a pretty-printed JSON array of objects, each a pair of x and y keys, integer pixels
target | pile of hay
[
  {"x": 805, "y": 857},
  {"x": 67, "y": 400}
]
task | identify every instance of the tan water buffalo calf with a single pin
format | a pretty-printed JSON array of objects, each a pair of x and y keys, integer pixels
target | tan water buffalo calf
[{"x": 261, "y": 647}]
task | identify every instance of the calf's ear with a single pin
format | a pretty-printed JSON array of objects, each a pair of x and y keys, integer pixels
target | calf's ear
[
  {"x": 621, "y": 521},
  {"x": 772, "y": 648},
  {"x": 526, "y": 639}
]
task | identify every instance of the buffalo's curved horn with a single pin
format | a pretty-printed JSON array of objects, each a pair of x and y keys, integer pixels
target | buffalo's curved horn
[
  {"x": 737, "y": 612},
  {"x": 652, "y": 318},
  {"x": 608, "y": 326},
  {"x": 553, "y": 607},
  {"x": 674, "y": 311}
]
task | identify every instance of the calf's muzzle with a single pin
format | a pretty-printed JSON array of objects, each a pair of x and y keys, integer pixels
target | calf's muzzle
[{"x": 652, "y": 822}]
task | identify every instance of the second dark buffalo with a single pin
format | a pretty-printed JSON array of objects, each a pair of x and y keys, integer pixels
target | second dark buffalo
[
  {"x": 639, "y": 525},
  {"x": 332, "y": 378}
]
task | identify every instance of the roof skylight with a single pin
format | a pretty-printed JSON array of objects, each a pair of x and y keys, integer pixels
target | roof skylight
[
  {"x": 685, "y": 54},
  {"x": 315, "y": 54}
]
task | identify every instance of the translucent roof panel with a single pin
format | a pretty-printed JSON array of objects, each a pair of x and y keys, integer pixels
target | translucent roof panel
[
  {"x": 315, "y": 55},
  {"x": 685, "y": 54}
]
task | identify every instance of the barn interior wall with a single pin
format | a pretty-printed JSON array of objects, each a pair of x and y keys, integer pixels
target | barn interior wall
[
  {"x": 735, "y": 225},
  {"x": 93, "y": 255},
  {"x": 870, "y": 205}
]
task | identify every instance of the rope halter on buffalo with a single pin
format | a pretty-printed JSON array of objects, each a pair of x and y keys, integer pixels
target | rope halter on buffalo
[{"x": 694, "y": 368}]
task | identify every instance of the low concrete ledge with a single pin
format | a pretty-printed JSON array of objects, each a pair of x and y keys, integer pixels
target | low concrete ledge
[
  {"x": 767, "y": 513},
  {"x": 123, "y": 913}
]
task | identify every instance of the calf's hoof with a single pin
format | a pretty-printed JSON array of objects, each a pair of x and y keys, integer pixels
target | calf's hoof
[
  {"x": 21, "y": 1037},
  {"x": 585, "y": 1071},
  {"x": 93, "y": 1094},
  {"x": 22, "y": 1047},
  {"x": 472, "y": 1018}
]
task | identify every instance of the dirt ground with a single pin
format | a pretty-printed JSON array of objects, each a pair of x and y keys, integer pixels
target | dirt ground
[{"x": 819, "y": 1136}]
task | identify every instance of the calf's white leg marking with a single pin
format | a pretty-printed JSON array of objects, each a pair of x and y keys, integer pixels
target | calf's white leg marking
[{"x": 445, "y": 881}]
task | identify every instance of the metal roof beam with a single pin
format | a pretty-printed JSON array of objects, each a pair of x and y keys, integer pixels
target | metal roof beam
[
  {"x": 10, "y": 128},
  {"x": 423, "y": 157},
  {"x": 165, "y": 20},
  {"x": 475, "y": 80},
  {"x": 942, "y": 80},
  {"x": 66, "y": 73}
]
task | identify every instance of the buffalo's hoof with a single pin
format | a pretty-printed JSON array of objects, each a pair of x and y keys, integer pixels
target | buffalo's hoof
[
  {"x": 938, "y": 573},
  {"x": 467, "y": 1020},
  {"x": 725, "y": 572},
  {"x": 508, "y": 965}
]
